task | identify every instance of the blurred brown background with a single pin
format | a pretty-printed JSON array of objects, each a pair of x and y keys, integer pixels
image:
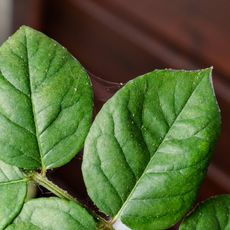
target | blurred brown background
[{"x": 120, "y": 39}]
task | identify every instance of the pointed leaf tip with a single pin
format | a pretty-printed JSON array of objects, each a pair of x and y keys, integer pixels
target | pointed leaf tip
[
  {"x": 45, "y": 102},
  {"x": 148, "y": 149}
]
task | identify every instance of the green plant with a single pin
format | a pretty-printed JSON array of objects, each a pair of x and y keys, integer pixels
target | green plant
[{"x": 145, "y": 156}]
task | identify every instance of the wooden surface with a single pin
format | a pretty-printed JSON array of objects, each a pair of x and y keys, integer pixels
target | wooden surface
[{"x": 118, "y": 40}]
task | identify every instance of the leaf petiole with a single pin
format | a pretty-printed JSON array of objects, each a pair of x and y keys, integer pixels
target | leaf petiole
[
  {"x": 42, "y": 180},
  {"x": 46, "y": 183}
]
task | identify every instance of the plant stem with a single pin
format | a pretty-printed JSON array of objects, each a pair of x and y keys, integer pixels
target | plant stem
[{"x": 59, "y": 192}]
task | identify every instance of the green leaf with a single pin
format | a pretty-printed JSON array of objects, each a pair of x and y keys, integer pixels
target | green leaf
[
  {"x": 148, "y": 149},
  {"x": 53, "y": 214},
  {"x": 12, "y": 193},
  {"x": 45, "y": 102},
  {"x": 22, "y": 226},
  {"x": 214, "y": 213}
]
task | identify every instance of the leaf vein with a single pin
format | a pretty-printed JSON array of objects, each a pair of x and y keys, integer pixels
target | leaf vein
[
  {"x": 32, "y": 104},
  {"x": 165, "y": 136},
  {"x": 13, "y": 86},
  {"x": 16, "y": 124},
  {"x": 113, "y": 187}
]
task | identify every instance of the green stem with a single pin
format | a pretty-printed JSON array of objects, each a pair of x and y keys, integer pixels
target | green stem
[{"x": 59, "y": 192}]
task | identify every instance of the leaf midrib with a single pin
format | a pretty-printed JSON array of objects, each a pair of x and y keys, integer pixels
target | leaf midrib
[
  {"x": 165, "y": 136},
  {"x": 14, "y": 181},
  {"x": 43, "y": 168}
]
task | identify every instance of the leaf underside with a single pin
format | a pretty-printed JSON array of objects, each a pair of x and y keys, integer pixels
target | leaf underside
[
  {"x": 45, "y": 102},
  {"x": 12, "y": 193},
  {"x": 214, "y": 213},
  {"x": 53, "y": 214},
  {"x": 148, "y": 149}
]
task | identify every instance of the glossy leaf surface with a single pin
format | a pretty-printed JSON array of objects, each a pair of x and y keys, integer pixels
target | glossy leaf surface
[
  {"x": 214, "y": 213},
  {"x": 148, "y": 149},
  {"x": 45, "y": 102},
  {"x": 12, "y": 193},
  {"x": 53, "y": 214}
]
